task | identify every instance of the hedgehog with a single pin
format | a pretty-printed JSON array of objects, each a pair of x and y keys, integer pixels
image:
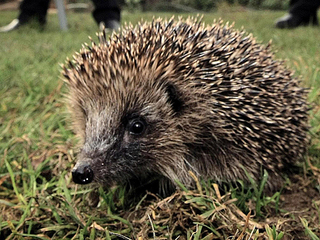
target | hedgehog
[{"x": 157, "y": 101}]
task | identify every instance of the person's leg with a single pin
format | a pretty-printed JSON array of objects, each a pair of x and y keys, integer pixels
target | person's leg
[
  {"x": 306, "y": 10},
  {"x": 292, "y": 2},
  {"x": 302, "y": 12},
  {"x": 29, "y": 9},
  {"x": 33, "y": 9},
  {"x": 107, "y": 12}
]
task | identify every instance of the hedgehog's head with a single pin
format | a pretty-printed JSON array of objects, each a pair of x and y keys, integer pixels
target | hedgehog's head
[
  {"x": 127, "y": 133},
  {"x": 125, "y": 107}
]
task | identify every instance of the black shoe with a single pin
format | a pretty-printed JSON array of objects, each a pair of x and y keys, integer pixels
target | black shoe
[
  {"x": 293, "y": 21},
  {"x": 290, "y": 21},
  {"x": 11, "y": 26}
]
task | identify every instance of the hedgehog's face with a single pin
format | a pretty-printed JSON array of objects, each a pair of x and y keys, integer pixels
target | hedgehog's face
[{"x": 130, "y": 134}]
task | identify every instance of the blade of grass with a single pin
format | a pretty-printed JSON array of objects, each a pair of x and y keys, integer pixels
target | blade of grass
[{"x": 13, "y": 182}]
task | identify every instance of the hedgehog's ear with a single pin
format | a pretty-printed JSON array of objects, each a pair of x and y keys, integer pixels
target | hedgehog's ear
[{"x": 174, "y": 98}]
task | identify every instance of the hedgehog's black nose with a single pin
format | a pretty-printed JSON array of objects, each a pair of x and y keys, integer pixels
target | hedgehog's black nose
[{"x": 82, "y": 174}]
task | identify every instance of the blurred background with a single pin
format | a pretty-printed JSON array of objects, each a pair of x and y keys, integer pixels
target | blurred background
[{"x": 168, "y": 5}]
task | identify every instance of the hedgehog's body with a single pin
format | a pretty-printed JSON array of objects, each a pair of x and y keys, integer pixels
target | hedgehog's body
[{"x": 165, "y": 98}]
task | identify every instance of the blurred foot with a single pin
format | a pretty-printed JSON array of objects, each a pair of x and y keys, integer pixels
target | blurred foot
[
  {"x": 289, "y": 21},
  {"x": 293, "y": 21},
  {"x": 110, "y": 24},
  {"x": 11, "y": 26}
]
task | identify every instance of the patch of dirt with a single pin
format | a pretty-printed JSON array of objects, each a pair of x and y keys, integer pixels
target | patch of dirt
[
  {"x": 9, "y": 6},
  {"x": 300, "y": 200},
  {"x": 299, "y": 195}
]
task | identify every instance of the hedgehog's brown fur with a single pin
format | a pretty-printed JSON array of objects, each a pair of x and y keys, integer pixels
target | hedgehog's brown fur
[{"x": 214, "y": 101}]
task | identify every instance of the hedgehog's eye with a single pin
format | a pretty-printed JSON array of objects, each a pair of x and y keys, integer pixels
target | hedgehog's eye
[{"x": 137, "y": 126}]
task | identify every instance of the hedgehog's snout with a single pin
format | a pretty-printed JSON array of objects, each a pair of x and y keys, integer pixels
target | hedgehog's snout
[{"x": 82, "y": 174}]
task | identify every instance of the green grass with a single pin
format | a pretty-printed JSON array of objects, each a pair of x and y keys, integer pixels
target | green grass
[{"x": 37, "y": 197}]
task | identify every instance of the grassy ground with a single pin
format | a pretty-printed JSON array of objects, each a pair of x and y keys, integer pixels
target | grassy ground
[{"x": 37, "y": 197}]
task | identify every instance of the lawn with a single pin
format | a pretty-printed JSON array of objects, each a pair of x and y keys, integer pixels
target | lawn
[{"x": 38, "y": 199}]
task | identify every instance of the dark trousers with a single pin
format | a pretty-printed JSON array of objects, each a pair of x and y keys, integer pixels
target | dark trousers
[
  {"x": 305, "y": 9},
  {"x": 104, "y": 10}
]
